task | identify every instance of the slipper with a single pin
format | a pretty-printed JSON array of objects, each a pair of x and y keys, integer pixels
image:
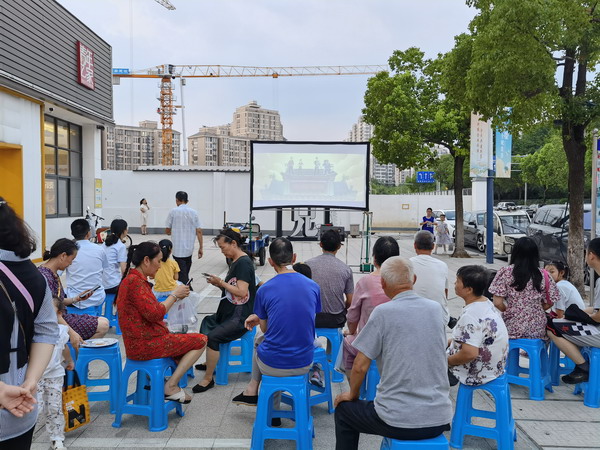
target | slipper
[
  {"x": 178, "y": 397},
  {"x": 199, "y": 388}
]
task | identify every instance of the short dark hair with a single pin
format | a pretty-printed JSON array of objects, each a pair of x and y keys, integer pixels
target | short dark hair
[
  {"x": 561, "y": 267},
  {"x": 474, "y": 277},
  {"x": 281, "y": 251},
  {"x": 331, "y": 241},
  {"x": 62, "y": 245},
  {"x": 594, "y": 246},
  {"x": 304, "y": 269},
  {"x": 384, "y": 248},
  {"x": 80, "y": 228},
  {"x": 182, "y": 196},
  {"x": 15, "y": 234},
  {"x": 424, "y": 240}
]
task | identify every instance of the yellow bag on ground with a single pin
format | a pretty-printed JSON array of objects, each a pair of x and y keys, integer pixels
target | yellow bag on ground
[{"x": 76, "y": 407}]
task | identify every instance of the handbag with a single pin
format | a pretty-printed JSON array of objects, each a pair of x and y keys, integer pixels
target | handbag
[{"x": 76, "y": 407}]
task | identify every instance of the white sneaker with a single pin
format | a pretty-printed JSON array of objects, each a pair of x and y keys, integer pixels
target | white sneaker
[{"x": 56, "y": 445}]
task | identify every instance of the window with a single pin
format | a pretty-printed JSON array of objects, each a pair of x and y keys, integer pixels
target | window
[{"x": 62, "y": 152}]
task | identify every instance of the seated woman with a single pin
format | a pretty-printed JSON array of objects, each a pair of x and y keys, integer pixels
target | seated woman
[
  {"x": 568, "y": 336},
  {"x": 81, "y": 327},
  {"x": 145, "y": 335},
  {"x": 367, "y": 295},
  {"x": 237, "y": 303},
  {"x": 523, "y": 292}
]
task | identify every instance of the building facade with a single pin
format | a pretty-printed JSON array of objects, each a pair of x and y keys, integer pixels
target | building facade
[
  {"x": 382, "y": 173},
  {"x": 129, "y": 147},
  {"x": 229, "y": 145},
  {"x": 55, "y": 103}
]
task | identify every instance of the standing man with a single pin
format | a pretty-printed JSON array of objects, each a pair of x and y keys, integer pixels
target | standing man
[
  {"x": 335, "y": 280},
  {"x": 432, "y": 274},
  {"x": 183, "y": 225},
  {"x": 406, "y": 338}
]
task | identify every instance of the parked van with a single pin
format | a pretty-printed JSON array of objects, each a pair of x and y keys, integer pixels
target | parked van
[{"x": 508, "y": 227}]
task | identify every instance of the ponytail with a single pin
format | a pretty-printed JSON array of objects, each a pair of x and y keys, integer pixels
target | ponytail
[
  {"x": 117, "y": 228},
  {"x": 137, "y": 253},
  {"x": 166, "y": 246},
  {"x": 63, "y": 245}
]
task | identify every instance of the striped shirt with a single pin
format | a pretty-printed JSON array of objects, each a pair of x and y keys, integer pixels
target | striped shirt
[{"x": 183, "y": 222}]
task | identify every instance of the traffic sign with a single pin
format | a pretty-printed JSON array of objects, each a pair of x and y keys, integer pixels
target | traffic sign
[
  {"x": 120, "y": 71},
  {"x": 425, "y": 177}
]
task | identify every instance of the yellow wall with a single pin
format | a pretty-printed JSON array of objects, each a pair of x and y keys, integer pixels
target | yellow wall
[{"x": 11, "y": 175}]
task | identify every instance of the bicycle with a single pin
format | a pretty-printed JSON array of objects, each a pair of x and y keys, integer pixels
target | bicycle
[{"x": 99, "y": 233}]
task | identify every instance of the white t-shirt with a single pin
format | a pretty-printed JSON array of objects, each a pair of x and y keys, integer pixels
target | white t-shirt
[
  {"x": 569, "y": 295},
  {"x": 54, "y": 368},
  {"x": 115, "y": 254},
  {"x": 432, "y": 280},
  {"x": 481, "y": 326}
]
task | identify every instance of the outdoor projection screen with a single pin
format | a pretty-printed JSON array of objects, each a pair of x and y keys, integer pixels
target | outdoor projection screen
[{"x": 310, "y": 174}]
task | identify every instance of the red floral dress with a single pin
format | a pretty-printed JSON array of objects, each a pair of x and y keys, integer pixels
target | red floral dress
[{"x": 145, "y": 335}]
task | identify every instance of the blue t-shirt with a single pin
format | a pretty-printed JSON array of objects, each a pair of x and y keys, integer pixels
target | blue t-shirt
[{"x": 289, "y": 303}]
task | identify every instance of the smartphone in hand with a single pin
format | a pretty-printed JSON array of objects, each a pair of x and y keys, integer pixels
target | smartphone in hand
[
  {"x": 207, "y": 275},
  {"x": 89, "y": 292},
  {"x": 189, "y": 282}
]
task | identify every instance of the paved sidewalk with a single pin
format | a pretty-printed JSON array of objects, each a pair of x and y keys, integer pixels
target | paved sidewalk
[{"x": 212, "y": 421}]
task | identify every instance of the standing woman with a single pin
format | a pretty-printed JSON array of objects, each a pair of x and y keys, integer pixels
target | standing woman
[
  {"x": 144, "y": 208},
  {"x": 28, "y": 327},
  {"x": 116, "y": 254},
  {"x": 145, "y": 334},
  {"x": 237, "y": 303},
  {"x": 428, "y": 221},
  {"x": 81, "y": 326},
  {"x": 522, "y": 292}
]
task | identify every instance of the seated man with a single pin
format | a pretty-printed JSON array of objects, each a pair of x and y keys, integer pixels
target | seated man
[
  {"x": 407, "y": 338},
  {"x": 87, "y": 269},
  {"x": 479, "y": 346},
  {"x": 335, "y": 280},
  {"x": 285, "y": 309}
]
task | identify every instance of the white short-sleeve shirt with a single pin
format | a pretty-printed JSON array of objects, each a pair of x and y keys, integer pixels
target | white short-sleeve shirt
[
  {"x": 115, "y": 254},
  {"x": 432, "y": 280},
  {"x": 569, "y": 295},
  {"x": 86, "y": 272}
]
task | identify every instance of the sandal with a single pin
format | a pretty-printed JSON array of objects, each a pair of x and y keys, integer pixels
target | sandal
[{"x": 178, "y": 397}]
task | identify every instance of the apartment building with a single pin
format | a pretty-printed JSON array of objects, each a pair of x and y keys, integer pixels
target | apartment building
[
  {"x": 229, "y": 145},
  {"x": 129, "y": 147}
]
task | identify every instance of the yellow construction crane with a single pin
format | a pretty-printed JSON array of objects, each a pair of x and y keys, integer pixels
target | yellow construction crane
[{"x": 167, "y": 72}]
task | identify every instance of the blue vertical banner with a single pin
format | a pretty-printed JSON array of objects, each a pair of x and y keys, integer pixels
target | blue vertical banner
[{"x": 503, "y": 154}]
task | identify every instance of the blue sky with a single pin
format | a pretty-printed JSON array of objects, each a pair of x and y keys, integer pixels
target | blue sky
[{"x": 266, "y": 33}]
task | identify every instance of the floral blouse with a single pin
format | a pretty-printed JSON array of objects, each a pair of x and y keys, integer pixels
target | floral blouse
[{"x": 524, "y": 316}]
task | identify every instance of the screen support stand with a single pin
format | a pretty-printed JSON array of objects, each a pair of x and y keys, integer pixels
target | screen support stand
[
  {"x": 278, "y": 223},
  {"x": 327, "y": 216}
]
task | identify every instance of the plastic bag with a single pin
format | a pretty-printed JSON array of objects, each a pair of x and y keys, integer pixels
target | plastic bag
[{"x": 182, "y": 317}]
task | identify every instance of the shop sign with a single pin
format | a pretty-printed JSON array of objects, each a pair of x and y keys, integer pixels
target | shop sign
[{"x": 85, "y": 58}]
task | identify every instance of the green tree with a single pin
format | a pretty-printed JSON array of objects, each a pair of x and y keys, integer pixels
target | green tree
[
  {"x": 411, "y": 113},
  {"x": 538, "y": 58}
]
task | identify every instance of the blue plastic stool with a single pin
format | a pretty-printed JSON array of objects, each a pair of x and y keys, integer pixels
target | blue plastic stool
[
  {"x": 335, "y": 338},
  {"x": 558, "y": 365},
  {"x": 539, "y": 373},
  {"x": 303, "y": 430},
  {"x": 324, "y": 394},
  {"x": 436, "y": 443},
  {"x": 591, "y": 388},
  {"x": 224, "y": 366},
  {"x": 504, "y": 431},
  {"x": 111, "y": 355},
  {"x": 92, "y": 310},
  {"x": 113, "y": 319},
  {"x": 150, "y": 403},
  {"x": 368, "y": 389}
]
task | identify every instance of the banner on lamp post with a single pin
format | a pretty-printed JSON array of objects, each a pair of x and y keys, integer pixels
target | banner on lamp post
[
  {"x": 503, "y": 154},
  {"x": 481, "y": 133}
]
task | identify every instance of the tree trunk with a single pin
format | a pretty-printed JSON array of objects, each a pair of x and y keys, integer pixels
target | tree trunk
[
  {"x": 459, "y": 241},
  {"x": 575, "y": 150}
]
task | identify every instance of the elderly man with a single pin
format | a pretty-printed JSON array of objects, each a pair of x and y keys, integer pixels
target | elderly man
[
  {"x": 432, "y": 274},
  {"x": 408, "y": 340},
  {"x": 183, "y": 225}
]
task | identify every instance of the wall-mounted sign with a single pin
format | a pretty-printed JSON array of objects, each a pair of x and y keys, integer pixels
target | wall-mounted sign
[
  {"x": 85, "y": 63},
  {"x": 98, "y": 193},
  {"x": 425, "y": 177}
]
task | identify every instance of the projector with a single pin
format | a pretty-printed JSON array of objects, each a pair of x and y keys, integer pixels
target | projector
[{"x": 325, "y": 227}]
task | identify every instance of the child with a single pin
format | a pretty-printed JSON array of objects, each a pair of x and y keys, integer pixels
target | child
[
  {"x": 166, "y": 278},
  {"x": 50, "y": 386},
  {"x": 569, "y": 294},
  {"x": 442, "y": 234}
]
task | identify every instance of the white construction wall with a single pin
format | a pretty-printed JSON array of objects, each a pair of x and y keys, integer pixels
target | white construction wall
[{"x": 225, "y": 196}]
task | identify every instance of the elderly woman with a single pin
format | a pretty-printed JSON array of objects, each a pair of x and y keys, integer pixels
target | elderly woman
[
  {"x": 81, "y": 326},
  {"x": 367, "y": 295},
  {"x": 28, "y": 328},
  {"x": 145, "y": 335}
]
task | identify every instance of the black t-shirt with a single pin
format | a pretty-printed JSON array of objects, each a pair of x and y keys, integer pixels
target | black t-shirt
[{"x": 240, "y": 269}]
